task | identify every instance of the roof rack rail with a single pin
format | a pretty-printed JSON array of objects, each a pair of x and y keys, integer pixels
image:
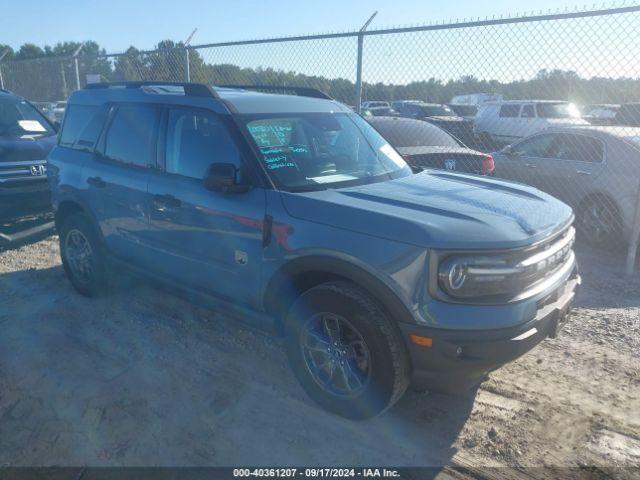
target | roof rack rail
[
  {"x": 300, "y": 91},
  {"x": 190, "y": 89}
]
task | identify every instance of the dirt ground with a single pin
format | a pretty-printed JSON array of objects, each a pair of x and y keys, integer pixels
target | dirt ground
[{"x": 143, "y": 378}]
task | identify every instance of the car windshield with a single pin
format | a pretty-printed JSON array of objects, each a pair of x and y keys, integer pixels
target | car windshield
[
  {"x": 314, "y": 151},
  {"x": 436, "y": 111},
  {"x": 414, "y": 134},
  {"x": 558, "y": 110},
  {"x": 19, "y": 118}
]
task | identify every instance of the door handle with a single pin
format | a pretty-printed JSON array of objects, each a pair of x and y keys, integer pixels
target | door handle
[
  {"x": 530, "y": 165},
  {"x": 96, "y": 182},
  {"x": 166, "y": 201},
  {"x": 583, "y": 172}
]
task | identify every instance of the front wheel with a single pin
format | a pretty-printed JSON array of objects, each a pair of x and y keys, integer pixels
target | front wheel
[{"x": 345, "y": 351}]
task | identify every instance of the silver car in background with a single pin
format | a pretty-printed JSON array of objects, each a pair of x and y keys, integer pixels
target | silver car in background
[{"x": 596, "y": 170}]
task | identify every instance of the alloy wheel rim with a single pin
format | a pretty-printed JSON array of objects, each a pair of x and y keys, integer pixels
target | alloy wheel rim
[
  {"x": 336, "y": 355},
  {"x": 79, "y": 255},
  {"x": 597, "y": 225}
]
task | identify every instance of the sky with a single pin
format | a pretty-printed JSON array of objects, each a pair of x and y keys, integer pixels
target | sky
[{"x": 117, "y": 24}]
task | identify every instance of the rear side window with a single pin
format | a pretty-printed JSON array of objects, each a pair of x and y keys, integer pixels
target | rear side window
[
  {"x": 131, "y": 137},
  {"x": 578, "y": 148},
  {"x": 509, "y": 111},
  {"x": 76, "y": 119},
  {"x": 528, "y": 111},
  {"x": 195, "y": 140}
]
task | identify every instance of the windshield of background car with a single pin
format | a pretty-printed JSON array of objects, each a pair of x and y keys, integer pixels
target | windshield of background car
[
  {"x": 309, "y": 151},
  {"x": 437, "y": 111},
  {"x": 465, "y": 110},
  {"x": 414, "y": 134},
  {"x": 18, "y": 119},
  {"x": 557, "y": 110}
]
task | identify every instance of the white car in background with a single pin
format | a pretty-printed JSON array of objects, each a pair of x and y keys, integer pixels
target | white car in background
[
  {"x": 467, "y": 105},
  {"x": 58, "y": 111},
  {"x": 508, "y": 121},
  {"x": 600, "y": 114}
]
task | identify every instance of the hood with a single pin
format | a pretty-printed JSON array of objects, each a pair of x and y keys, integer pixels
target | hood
[
  {"x": 433, "y": 149},
  {"x": 25, "y": 148},
  {"x": 438, "y": 209}
]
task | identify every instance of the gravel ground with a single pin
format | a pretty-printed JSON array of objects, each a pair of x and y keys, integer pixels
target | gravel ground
[{"x": 140, "y": 377}]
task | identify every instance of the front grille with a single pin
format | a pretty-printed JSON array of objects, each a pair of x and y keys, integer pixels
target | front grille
[
  {"x": 539, "y": 263},
  {"x": 16, "y": 172}
]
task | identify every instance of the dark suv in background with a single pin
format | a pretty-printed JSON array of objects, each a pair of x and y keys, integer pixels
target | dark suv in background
[
  {"x": 293, "y": 213},
  {"x": 26, "y": 137},
  {"x": 440, "y": 115}
]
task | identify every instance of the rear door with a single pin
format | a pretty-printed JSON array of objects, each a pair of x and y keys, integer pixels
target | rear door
[
  {"x": 208, "y": 240},
  {"x": 117, "y": 180},
  {"x": 508, "y": 125}
]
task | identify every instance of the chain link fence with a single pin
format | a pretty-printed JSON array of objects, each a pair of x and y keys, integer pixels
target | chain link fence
[{"x": 551, "y": 97}]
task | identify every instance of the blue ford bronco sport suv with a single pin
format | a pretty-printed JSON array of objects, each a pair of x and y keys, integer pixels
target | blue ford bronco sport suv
[{"x": 291, "y": 212}]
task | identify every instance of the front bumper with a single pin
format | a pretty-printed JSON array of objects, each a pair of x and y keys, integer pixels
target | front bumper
[
  {"x": 460, "y": 359},
  {"x": 25, "y": 198}
]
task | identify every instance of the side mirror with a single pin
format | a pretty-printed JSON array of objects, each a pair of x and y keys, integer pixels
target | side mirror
[
  {"x": 56, "y": 125},
  {"x": 221, "y": 177}
]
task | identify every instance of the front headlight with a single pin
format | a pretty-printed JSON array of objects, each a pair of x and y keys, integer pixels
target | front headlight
[{"x": 466, "y": 277}]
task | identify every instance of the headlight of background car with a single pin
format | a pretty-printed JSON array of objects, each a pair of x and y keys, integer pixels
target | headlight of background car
[{"x": 466, "y": 277}]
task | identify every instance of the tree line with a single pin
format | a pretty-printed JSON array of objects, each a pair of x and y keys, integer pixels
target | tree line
[{"x": 50, "y": 76}]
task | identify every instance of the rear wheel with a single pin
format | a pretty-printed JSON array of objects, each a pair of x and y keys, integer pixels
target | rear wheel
[
  {"x": 345, "y": 351},
  {"x": 82, "y": 255}
]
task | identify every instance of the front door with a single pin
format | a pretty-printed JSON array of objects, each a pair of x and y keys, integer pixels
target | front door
[
  {"x": 523, "y": 162},
  {"x": 210, "y": 241}
]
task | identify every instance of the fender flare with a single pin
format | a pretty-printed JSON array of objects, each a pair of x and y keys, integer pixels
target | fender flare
[{"x": 283, "y": 285}]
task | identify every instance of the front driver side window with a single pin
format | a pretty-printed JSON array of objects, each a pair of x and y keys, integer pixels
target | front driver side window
[
  {"x": 538, "y": 146},
  {"x": 195, "y": 140}
]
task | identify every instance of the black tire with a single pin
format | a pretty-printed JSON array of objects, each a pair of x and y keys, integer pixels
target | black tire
[
  {"x": 599, "y": 222},
  {"x": 386, "y": 376},
  {"x": 93, "y": 283}
]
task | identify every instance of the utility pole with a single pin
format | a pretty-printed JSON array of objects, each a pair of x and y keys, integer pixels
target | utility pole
[
  {"x": 359, "y": 64},
  {"x": 75, "y": 62},
  {"x": 187, "y": 68},
  {"x": 2, "y": 55}
]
